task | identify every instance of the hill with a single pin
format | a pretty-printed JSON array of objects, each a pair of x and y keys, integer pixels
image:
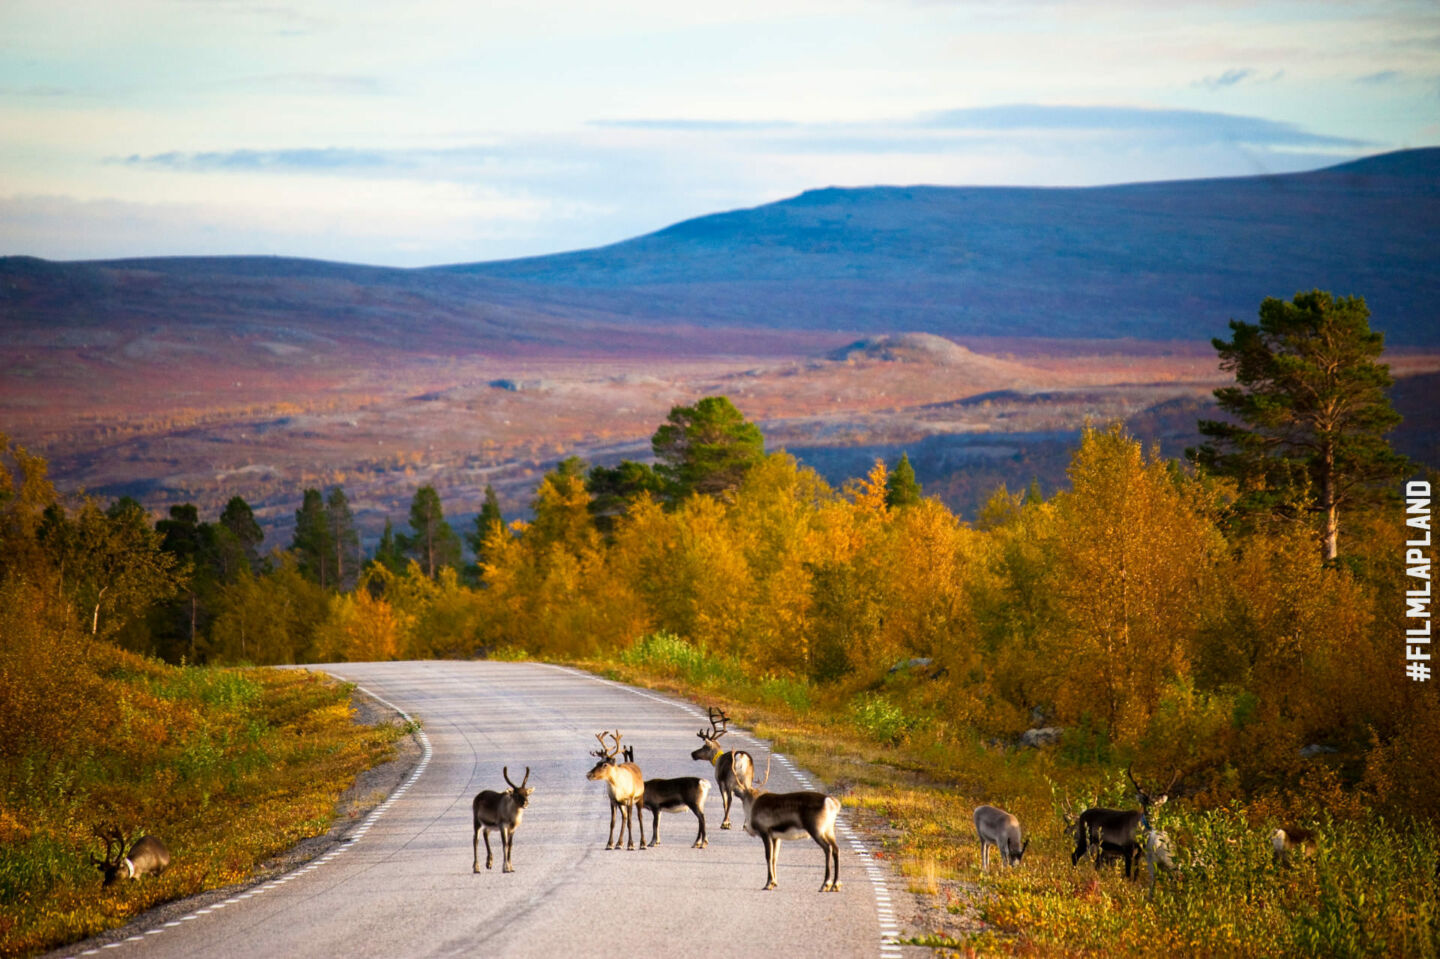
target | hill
[{"x": 1151, "y": 261}]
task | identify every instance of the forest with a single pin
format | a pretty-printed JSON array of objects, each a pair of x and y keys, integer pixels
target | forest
[{"x": 1231, "y": 620}]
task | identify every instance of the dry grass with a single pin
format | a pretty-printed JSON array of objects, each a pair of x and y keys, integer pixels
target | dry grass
[{"x": 229, "y": 767}]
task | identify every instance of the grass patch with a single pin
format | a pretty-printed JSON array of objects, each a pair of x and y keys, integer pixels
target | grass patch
[{"x": 230, "y": 767}]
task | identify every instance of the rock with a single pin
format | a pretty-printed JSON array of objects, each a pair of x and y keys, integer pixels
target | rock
[
  {"x": 1044, "y": 736},
  {"x": 1315, "y": 749},
  {"x": 911, "y": 663}
]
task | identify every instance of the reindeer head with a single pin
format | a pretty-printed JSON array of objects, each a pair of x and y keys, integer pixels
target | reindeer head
[
  {"x": 114, "y": 860},
  {"x": 606, "y": 755},
  {"x": 1013, "y": 856},
  {"x": 520, "y": 793},
  {"x": 1147, "y": 800},
  {"x": 710, "y": 747}
]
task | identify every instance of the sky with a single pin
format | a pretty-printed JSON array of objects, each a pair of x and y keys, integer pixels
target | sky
[{"x": 446, "y": 131}]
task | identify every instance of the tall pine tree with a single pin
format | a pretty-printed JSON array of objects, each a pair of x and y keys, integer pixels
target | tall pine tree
[
  {"x": 1309, "y": 412},
  {"x": 432, "y": 542}
]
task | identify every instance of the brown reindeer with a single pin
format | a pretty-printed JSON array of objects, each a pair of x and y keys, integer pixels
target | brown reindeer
[
  {"x": 626, "y": 786},
  {"x": 733, "y": 769},
  {"x": 148, "y": 855},
  {"x": 499, "y": 810},
  {"x": 776, "y": 816}
]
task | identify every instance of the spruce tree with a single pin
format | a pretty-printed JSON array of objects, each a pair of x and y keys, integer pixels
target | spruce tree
[
  {"x": 311, "y": 543},
  {"x": 390, "y": 552},
  {"x": 901, "y": 487},
  {"x": 239, "y": 519},
  {"x": 344, "y": 540},
  {"x": 485, "y": 520}
]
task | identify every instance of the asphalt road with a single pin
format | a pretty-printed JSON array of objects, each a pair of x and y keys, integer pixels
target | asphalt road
[{"x": 403, "y": 886}]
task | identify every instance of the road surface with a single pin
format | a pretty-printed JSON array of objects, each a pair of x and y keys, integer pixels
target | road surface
[{"x": 402, "y": 885}]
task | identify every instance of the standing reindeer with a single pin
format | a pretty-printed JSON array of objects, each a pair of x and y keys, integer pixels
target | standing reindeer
[
  {"x": 673, "y": 795},
  {"x": 502, "y": 811},
  {"x": 148, "y": 855},
  {"x": 998, "y": 828},
  {"x": 626, "y": 785},
  {"x": 776, "y": 816},
  {"x": 1156, "y": 845},
  {"x": 732, "y": 769}
]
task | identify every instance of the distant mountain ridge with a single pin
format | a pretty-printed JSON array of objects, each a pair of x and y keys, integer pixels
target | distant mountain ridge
[{"x": 1151, "y": 261}]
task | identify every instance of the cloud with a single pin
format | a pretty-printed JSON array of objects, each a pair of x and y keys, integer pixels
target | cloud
[
  {"x": 1381, "y": 78},
  {"x": 1170, "y": 126},
  {"x": 307, "y": 84},
  {"x": 309, "y": 160},
  {"x": 682, "y": 125},
  {"x": 1227, "y": 79}
]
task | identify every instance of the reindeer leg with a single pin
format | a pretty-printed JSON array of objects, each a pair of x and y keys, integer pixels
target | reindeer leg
[
  {"x": 700, "y": 841},
  {"x": 489, "y": 857},
  {"x": 654, "y": 827},
  {"x": 726, "y": 795},
  {"x": 610, "y": 837},
  {"x": 769, "y": 862},
  {"x": 476, "y": 844},
  {"x": 640, "y": 817}
]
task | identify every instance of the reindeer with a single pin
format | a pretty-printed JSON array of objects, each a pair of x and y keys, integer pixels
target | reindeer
[
  {"x": 673, "y": 795},
  {"x": 1156, "y": 845},
  {"x": 502, "y": 811},
  {"x": 626, "y": 785},
  {"x": 732, "y": 769},
  {"x": 148, "y": 855},
  {"x": 1300, "y": 841},
  {"x": 1111, "y": 832},
  {"x": 1107, "y": 832},
  {"x": 776, "y": 816},
  {"x": 998, "y": 828}
]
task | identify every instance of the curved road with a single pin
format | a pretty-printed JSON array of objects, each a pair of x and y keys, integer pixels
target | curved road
[{"x": 403, "y": 886}]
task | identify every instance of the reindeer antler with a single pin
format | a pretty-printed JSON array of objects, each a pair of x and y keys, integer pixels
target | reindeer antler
[
  {"x": 505, "y": 771},
  {"x": 604, "y": 752},
  {"x": 1145, "y": 798}
]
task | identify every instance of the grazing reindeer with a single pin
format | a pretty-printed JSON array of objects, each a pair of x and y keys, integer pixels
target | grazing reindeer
[
  {"x": 732, "y": 769},
  {"x": 998, "y": 828},
  {"x": 502, "y": 811},
  {"x": 626, "y": 786},
  {"x": 673, "y": 795},
  {"x": 776, "y": 816},
  {"x": 1300, "y": 841},
  {"x": 147, "y": 855}
]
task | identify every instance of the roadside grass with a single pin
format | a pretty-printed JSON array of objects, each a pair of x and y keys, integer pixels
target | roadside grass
[
  {"x": 228, "y": 766},
  {"x": 1369, "y": 889}
]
